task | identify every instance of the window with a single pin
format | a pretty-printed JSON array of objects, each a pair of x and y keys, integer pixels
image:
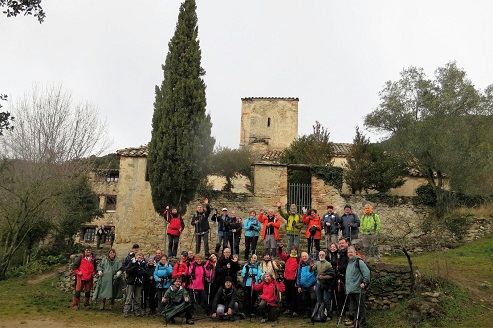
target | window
[
  {"x": 89, "y": 234},
  {"x": 112, "y": 177},
  {"x": 110, "y": 203}
]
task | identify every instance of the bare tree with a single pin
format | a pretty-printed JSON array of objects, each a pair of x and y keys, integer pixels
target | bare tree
[{"x": 49, "y": 146}]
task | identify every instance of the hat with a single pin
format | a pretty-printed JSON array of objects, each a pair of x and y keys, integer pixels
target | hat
[
  {"x": 228, "y": 278},
  {"x": 184, "y": 253},
  {"x": 347, "y": 206},
  {"x": 224, "y": 209},
  {"x": 330, "y": 206},
  {"x": 151, "y": 259},
  {"x": 135, "y": 246}
]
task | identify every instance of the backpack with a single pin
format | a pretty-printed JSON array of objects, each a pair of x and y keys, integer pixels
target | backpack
[
  {"x": 360, "y": 272},
  {"x": 319, "y": 313}
]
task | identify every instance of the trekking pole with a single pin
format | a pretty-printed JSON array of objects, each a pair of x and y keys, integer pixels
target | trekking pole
[
  {"x": 357, "y": 314},
  {"x": 342, "y": 312},
  {"x": 350, "y": 234},
  {"x": 335, "y": 300}
]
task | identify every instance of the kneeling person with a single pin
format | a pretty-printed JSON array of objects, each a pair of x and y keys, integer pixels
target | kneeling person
[
  {"x": 177, "y": 302},
  {"x": 269, "y": 300},
  {"x": 225, "y": 304}
]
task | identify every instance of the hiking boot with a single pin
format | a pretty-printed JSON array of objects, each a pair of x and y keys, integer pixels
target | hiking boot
[
  {"x": 190, "y": 322},
  {"x": 172, "y": 320},
  {"x": 242, "y": 315},
  {"x": 348, "y": 322},
  {"x": 295, "y": 314},
  {"x": 263, "y": 321},
  {"x": 287, "y": 312}
]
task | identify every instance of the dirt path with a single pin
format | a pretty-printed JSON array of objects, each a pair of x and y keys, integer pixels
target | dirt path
[{"x": 482, "y": 294}]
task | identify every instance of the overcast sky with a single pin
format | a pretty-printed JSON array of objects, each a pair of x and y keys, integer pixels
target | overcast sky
[{"x": 335, "y": 56}]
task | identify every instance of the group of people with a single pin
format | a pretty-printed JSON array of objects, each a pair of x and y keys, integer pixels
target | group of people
[{"x": 337, "y": 278}]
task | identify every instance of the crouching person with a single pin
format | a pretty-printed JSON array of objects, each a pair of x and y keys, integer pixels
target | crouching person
[
  {"x": 224, "y": 304},
  {"x": 269, "y": 300},
  {"x": 177, "y": 302}
]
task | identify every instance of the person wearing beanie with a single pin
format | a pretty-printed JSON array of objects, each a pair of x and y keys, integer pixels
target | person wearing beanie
[
  {"x": 350, "y": 224},
  {"x": 331, "y": 222},
  {"x": 224, "y": 304},
  {"x": 369, "y": 231}
]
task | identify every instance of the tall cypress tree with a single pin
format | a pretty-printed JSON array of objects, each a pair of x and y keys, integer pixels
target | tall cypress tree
[{"x": 181, "y": 139}]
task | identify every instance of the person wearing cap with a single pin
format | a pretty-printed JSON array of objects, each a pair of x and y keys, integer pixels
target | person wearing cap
[
  {"x": 136, "y": 274},
  {"x": 224, "y": 304},
  {"x": 83, "y": 268},
  {"x": 110, "y": 283},
  {"x": 131, "y": 255},
  {"x": 269, "y": 299},
  {"x": 222, "y": 228},
  {"x": 370, "y": 228},
  {"x": 330, "y": 223},
  {"x": 270, "y": 230},
  {"x": 201, "y": 225},
  {"x": 177, "y": 302},
  {"x": 293, "y": 226},
  {"x": 350, "y": 224},
  {"x": 149, "y": 300}
]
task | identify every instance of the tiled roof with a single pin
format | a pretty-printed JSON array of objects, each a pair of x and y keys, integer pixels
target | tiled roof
[
  {"x": 133, "y": 152},
  {"x": 269, "y": 98},
  {"x": 341, "y": 149}
]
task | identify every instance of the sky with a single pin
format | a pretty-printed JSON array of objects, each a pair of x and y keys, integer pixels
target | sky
[{"x": 335, "y": 56}]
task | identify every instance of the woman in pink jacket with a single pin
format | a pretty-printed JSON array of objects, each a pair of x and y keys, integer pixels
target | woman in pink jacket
[
  {"x": 269, "y": 300},
  {"x": 197, "y": 274}
]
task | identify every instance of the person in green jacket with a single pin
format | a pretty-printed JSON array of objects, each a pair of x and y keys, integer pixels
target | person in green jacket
[
  {"x": 177, "y": 302},
  {"x": 294, "y": 225},
  {"x": 110, "y": 282},
  {"x": 369, "y": 231},
  {"x": 357, "y": 280}
]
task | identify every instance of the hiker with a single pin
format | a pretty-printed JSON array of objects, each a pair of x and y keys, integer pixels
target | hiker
[
  {"x": 84, "y": 268},
  {"x": 270, "y": 230},
  {"x": 369, "y": 230},
  {"x": 293, "y": 225},
  {"x": 110, "y": 282},
  {"x": 269, "y": 299},
  {"x": 224, "y": 304},
  {"x": 252, "y": 227},
  {"x": 350, "y": 224},
  {"x": 162, "y": 278},
  {"x": 222, "y": 228},
  {"x": 313, "y": 232},
  {"x": 305, "y": 280},
  {"x": 177, "y": 302},
  {"x": 325, "y": 275},
  {"x": 136, "y": 273},
  {"x": 291, "y": 261},
  {"x": 201, "y": 226},
  {"x": 100, "y": 236},
  {"x": 331, "y": 222},
  {"x": 198, "y": 274},
  {"x": 250, "y": 272},
  {"x": 234, "y": 233},
  {"x": 357, "y": 280},
  {"x": 269, "y": 265},
  {"x": 175, "y": 228}
]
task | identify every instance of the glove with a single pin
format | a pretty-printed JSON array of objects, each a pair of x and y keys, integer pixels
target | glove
[
  {"x": 118, "y": 274},
  {"x": 133, "y": 260},
  {"x": 100, "y": 273}
]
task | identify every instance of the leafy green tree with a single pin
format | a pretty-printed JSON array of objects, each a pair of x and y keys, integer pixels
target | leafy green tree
[
  {"x": 313, "y": 149},
  {"x": 181, "y": 141},
  {"x": 231, "y": 163},
  {"x": 80, "y": 205},
  {"x": 441, "y": 125},
  {"x": 356, "y": 173}
]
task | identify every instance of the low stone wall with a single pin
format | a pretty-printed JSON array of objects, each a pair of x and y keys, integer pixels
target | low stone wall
[{"x": 390, "y": 284}]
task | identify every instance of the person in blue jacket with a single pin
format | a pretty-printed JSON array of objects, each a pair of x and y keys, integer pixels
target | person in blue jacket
[
  {"x": 250, "y": 272},
  {"x": 252, "y": 227},
  {"x": 162, "y": 277},
  {"x": 306, "y": 281}
]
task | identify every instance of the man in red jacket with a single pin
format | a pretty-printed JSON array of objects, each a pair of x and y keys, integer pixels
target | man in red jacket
[
  {"x": 84, "y": 268},
  {"x": 175, "y": 227}
]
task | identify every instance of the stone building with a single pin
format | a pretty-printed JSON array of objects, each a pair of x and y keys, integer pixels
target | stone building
[{"x": 268, "y": 126}]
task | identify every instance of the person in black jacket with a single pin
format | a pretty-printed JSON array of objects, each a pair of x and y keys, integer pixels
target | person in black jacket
[
  {"x": 137, "y": 272},
  {"x": 234, "y": 234},
  {"x": 227, "y": 265},
  {"x": 224, "y": 304},
  {"x": 201, "y": 226}
]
